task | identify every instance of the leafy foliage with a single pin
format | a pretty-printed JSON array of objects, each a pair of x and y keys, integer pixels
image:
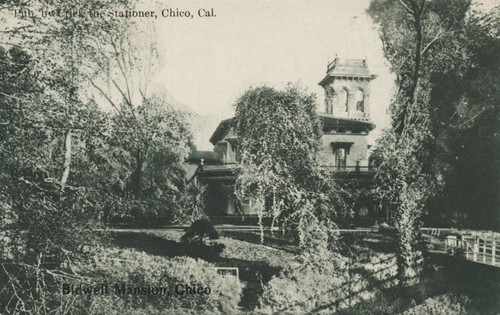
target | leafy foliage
[
  {"x": 41, "y": 291},
  {"x": 67, "y": 165},
  {"x": 200, "y": 235},
  {"x": 193, "y": 202},
  {"x": 311, "y": 282},
  {"x": 423, "y": 41},
  {"x": 320, "y": 280},
  {"x": 444, "y": 304},
  {"x": 139, "y": 268},
  {"x": 199, "y": 231},
  {"x": 279, "y": 135}
]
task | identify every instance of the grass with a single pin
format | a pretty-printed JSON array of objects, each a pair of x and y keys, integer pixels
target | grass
[
  {"x": 372, "y": 256},
  {"x": 257, "y": 263}
]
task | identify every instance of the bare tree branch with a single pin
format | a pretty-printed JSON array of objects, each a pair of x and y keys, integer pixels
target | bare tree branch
[
  {"x": 406, "y": 7},
  {"x": 11, "y": 96},
  {"x": 438, "y": 36}
]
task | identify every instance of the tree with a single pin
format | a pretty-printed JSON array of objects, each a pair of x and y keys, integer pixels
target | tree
[
  {"x": 423, "y": 41},
  {"x": 464, "y": 120},
  {"x": 151, "y": 142},
  {"x": 279, "y": 136},
  {"x": 62, "y": 164}
]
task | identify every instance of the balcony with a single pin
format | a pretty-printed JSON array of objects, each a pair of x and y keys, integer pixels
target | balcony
[
  {"x": 348, "y": 169},
  {"x": 219, "y": 167},
  {"x": 229, "y": 171},
  {"x": 346, "y": 173},
  {"x": 218, "y": 172}
]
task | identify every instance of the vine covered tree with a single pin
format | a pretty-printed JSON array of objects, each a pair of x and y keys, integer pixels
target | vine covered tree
[
  {"x": 424, "y": 42},
  {"x": 279, "y": 139}
]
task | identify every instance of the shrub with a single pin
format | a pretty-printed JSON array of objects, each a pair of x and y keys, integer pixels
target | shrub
[
  {"x": 446, "y": 304},
  {"x": 192, "y": 202},
  {"x": 199, "y": 231},
  {"x": 383, "y": 269},
  {"x": 199, "y": 236},
  {"x": 141, "y": 270},
  {"x": 312, "y": 282}
]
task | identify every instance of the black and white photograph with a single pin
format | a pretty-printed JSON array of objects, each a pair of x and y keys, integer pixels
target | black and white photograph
[{"x": 250, "y": 157}]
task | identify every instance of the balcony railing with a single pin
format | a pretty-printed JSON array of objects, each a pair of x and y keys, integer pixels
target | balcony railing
[
  {"x": 220, "y": 166},
  {"x": 348, "y": 169},
  {"x": 217, "y": 168}
]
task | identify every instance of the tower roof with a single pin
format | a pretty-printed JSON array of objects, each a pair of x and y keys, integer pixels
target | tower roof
[
  {"x": 331, "y": 122},
  {"x": 348, "y": 69}
]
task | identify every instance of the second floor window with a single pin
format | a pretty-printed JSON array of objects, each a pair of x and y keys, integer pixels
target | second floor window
[
  {"x": 360, "y": 101},
  {"x": 330, "y": 94},
  {"x": 340, "y": 153},
  {"x": 340, "y": 158},
  {"x": 344, "y": 100}
]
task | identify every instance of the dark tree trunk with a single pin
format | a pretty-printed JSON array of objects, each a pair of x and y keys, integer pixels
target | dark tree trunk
[{"x": 137, "y": 175}]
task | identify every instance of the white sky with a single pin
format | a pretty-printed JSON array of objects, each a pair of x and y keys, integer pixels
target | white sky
[{"x": 207, "y": 63}]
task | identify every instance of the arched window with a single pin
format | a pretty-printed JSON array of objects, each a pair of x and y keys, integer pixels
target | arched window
[
  {"x": 344, "y": 99},
  {"x": 360, "y": 101},
  {"x": 329, "y": 100}
]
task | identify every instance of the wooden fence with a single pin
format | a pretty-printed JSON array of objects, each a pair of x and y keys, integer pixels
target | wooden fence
[{"x": 478, "y": 248}]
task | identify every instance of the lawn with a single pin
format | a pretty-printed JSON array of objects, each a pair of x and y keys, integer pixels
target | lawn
[{"x": 373, "y": 288}]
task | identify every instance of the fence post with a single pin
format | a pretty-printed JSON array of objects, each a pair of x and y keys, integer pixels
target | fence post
[
  {"x": 475, "y": 250},
  {"x": 450, "y": 242},
  {"x": 484, "y": 251},
  {"x": 493, "y": 252}
]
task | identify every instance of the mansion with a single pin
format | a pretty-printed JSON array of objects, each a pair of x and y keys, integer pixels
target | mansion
[{"x": 346, "y": 125}]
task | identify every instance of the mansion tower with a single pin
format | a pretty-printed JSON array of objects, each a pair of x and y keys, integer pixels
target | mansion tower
[{"x": 346, "y": 119}]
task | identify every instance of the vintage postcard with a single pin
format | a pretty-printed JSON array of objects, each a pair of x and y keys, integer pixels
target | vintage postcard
[{"x": 250, "y": 156}]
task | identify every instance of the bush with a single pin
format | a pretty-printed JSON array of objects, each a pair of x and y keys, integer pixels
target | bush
[
  {"x": 446, "y": 304},
  {"x": 141, "y": 270},
  {"x": 383, "y": 269},
  {"x": 133, "y": 269},
  {"x": 199, "y": 236},
  {"x": 200, "y": 231},
  {"x": 311, "y": 282},
  {"x": 192, "y": 202}
]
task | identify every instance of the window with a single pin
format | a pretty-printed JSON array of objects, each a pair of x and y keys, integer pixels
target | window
[
  {"x": 340, "y": 158},
  {"x": 344, "y": 99},
  {"x": 360, "y": 101},
  {"x": 328, "y": 106},
  {"x": 340, "y": 152},
  {"x": 329, "y": 99}
]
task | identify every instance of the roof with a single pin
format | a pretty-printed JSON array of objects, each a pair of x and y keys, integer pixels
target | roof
[
  {"x": 347, "y": 68},
  {"x": 221, "y": 131},
  {"x": 331, "y": 122}
]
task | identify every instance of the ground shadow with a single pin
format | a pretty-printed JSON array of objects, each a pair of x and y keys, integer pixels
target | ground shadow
[
  {"x": 378, "y": 243},
  {"x": 255, "y": 273},
  {"x": 150, "y": 244},
  {"x": 269, "y": 240}
]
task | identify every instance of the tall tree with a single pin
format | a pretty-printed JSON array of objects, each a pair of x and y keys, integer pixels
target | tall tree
[
  {"x": 465, "y": 123},
  {"x": 156, "y": 139},
  {"x": 279, "y": 136},
  {"x": 422, "y": 40}
]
